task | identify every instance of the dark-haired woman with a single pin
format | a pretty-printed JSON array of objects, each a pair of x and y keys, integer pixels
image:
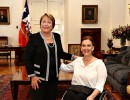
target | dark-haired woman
[{"x": 87, "y": 71}]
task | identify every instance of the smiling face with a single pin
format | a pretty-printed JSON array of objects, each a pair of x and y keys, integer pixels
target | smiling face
[
  {"x": 47, "y": 23},
  {"x": 87, "y": 47}
]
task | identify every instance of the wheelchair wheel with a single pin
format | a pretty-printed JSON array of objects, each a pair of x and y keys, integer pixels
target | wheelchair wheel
[{"x": 104, "y": 96}]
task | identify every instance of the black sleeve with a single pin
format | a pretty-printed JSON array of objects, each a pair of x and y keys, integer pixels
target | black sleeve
[
  {"x": 63, "y": 55},
  {"x": 29, "y": 55}
]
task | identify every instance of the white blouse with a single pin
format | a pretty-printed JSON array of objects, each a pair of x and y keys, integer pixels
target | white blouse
[{"x": 93, "y": 75}]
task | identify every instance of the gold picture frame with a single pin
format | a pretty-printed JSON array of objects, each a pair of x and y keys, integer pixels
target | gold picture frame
[
  {"x": 89, "y": 14},
  {"x": 74, "y": 49},
  {"x": 4, "y": 16}
]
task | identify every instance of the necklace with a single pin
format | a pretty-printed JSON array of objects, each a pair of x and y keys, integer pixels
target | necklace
[{"x": 50, "y": 45}]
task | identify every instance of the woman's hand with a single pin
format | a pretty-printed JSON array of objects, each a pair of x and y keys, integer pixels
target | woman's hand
[
  {"x": 34, "y": 82},
  {"x": 74, "y": 57},
  {"x": 90, "y": 98},
  {"x": 93, "y": 95}
]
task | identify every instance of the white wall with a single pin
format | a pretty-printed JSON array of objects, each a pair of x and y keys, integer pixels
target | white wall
[
  {"x": 118, "y": 16},
  {"x": 127, "y": 12},
  {"x": 111, "y": 13},
  {"x": 16, "y": 9},
  {"x": 127, "y": 21}
]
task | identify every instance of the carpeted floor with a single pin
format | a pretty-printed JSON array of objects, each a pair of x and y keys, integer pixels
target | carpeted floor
[
  {"x": 5, "y": 89},
  {"x": 4, "y": 84},
  {"x": 23, "y": 93}
]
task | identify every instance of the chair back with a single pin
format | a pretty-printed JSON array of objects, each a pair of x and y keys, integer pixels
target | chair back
[{"x": 3, "y": 40}]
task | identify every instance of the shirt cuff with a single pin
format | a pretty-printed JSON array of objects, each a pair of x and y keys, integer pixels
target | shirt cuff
[
  {"x": 72, "y": 58},
  {"x": 31, "y": 75}
]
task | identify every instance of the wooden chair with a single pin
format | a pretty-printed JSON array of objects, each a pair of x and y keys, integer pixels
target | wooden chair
[{"x": 4, "y": 42}]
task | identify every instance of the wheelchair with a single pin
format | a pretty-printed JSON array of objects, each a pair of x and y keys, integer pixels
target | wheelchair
[{"x": 104, "y": 95}]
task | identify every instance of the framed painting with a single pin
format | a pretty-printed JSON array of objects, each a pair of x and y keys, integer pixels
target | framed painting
[
  {"x": 4, "y": 16},
  {"x": 89, "y": 14},
  {"x": 74, "y": 49}
]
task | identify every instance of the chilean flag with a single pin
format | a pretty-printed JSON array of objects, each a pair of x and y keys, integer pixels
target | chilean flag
[{"x": 25, "y": 29}]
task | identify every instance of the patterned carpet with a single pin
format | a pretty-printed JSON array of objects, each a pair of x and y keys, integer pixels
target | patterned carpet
[
  {"x": 4, "y": 84},
  {"x": 5, "y": 89},
  {"x": 23, "y": 90},
  {"x": 23, "y": 93}
]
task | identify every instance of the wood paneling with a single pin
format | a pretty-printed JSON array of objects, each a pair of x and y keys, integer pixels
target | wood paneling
[{"x": 95, "y": 33}]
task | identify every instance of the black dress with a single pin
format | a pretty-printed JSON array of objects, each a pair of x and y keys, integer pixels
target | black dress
[{"x": 48, "y": 89}]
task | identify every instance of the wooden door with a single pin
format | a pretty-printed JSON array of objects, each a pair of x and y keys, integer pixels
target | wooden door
[
  {"x": 95, "y": 33},
  {"x": 54, "y": 7}
]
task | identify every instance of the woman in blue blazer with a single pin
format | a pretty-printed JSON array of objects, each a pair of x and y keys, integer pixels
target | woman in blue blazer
[{"x": 42, "y": 60}]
